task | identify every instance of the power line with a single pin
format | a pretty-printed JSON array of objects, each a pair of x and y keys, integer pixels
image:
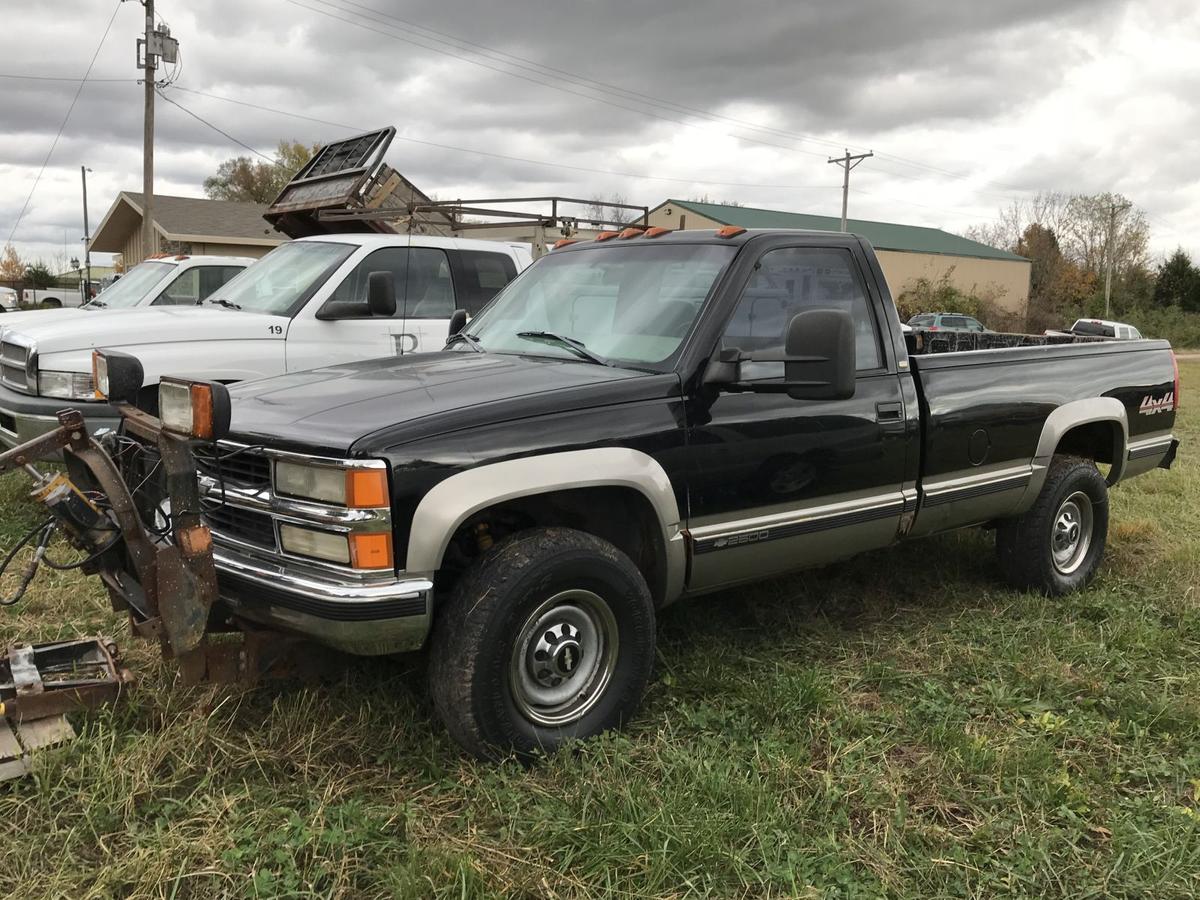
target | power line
[
  {"x": 70, "y": 109},
  {"x": 209, "y": 124},
  {"x": 23, "y": 77},
  {"x": 520, "y": 159}
]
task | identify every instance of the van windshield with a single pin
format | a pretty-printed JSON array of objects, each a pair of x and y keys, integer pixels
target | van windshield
[
  {"x": 632, "y": 304},
  {"x": 283, "y": 279},
  {"x": 134, "y": 287}
]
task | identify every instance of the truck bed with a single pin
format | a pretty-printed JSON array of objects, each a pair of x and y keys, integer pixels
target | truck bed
[{"x": 922, "y": 341}]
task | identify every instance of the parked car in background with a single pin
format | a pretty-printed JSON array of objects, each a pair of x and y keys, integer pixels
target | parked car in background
[
  {"x": 9, "y": 301},
  {"x": 52, "y": 297},
  {"x": 169, "y": 281},
  {"x": 1101, "y": 328},
  {"x": 946, "y": 322},
  {"x": 311, "y": 302}
]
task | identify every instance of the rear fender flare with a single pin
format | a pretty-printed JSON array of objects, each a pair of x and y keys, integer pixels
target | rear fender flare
[
  {"x": 451, "y": 502},
  {"x": 1072, "y": 415}
]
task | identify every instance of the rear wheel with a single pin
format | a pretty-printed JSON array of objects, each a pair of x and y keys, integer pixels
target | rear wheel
[
  {"x": 549, "y": 636},
  {"x": 52, "y": 303},
  {"x": 1056, "y": 547}
]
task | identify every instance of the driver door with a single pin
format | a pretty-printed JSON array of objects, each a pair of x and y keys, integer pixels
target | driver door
[
  {"x": 424, "y": 303},
  {"x": 776, "y": 483}
]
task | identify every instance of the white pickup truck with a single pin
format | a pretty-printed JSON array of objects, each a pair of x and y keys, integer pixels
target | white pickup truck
[
  {"x": 305, "y": 304},
  {"x": 181, "y": 280}
]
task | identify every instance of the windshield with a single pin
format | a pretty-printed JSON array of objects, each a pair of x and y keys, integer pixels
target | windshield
[
  {"x": 285, "y": 277},
  {"x": 1093, "y": 329},
  {"x": 138, "y": 283},
  {"x": 630, "y": 304}
]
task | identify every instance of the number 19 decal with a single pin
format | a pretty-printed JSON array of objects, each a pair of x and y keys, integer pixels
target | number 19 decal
[{"x": 275, "y": 329}]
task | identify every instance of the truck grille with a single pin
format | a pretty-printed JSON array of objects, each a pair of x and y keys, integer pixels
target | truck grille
[
  {"x": 245, "y": 525},
  {"x": 244, "y": 468},
  {"x": 13, "y": 358}
]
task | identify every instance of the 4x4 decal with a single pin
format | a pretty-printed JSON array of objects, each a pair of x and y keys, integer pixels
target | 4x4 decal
[{"x": 1150, "y": 406}]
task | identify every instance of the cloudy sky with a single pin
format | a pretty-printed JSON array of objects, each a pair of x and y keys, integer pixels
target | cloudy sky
[{"x": 966, "y": 105}]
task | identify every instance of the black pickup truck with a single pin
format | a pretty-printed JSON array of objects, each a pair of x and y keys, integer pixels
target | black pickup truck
[{"x": 636, "y": 419}]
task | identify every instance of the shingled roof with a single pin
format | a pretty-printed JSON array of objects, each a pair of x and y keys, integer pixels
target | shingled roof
[
  {"x": 188, "y": 219},
  {"x": 882, "y": 235}
]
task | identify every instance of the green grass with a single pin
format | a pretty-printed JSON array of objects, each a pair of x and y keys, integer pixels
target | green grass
[{"x": 898, "y": 725}]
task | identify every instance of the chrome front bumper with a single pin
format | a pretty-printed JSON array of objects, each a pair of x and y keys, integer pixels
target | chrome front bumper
[
  {"x": 367, "y": 618},
  {"x": 24, "y": 417}
]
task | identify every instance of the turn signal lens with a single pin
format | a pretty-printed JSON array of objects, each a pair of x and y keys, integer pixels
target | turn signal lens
[
  {"x": 371, "y": 551},
  {"x": 366, "y": 488}
]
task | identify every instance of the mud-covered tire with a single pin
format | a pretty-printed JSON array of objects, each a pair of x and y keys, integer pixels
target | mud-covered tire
[
  {"x": 544, "y": 604},
  {"x": 1057, "y": 545}
]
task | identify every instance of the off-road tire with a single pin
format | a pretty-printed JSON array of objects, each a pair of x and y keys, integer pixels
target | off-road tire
[
  {"x": 474, "y": 655},
  {"x": 1025, "y": 544}
]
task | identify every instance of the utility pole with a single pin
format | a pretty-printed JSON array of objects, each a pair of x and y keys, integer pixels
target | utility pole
[
  {"x": 87, "y": 240},
  {"x": 156, "y": 45},
  {"x": 847, "y": 163},
  {"x": 1113, "y": 209},
  {"x": 148, "y": 65}
]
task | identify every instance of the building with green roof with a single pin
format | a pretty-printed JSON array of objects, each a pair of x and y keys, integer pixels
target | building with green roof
[{"x": 906, "y": 252}]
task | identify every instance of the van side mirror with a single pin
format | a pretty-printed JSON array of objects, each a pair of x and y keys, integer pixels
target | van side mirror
[
  {"x": 381, "y": 294},
  {"x": 818, "y": 360},
  {"x": 458, "y": 321}
]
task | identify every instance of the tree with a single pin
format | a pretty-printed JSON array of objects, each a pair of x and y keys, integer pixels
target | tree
[
  {"x": 12, "y": 267},
  {"x": 243, "y": 179},
  {"x": 1178, "y": 282},
  {"x": 602, "y": 209},
  {"x": 38, "y": 275}
]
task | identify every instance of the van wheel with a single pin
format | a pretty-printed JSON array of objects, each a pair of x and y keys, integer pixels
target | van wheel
[
  {"x": 1056, "y": 547},
  {"x": 548, "y": 636},
  {"x": 51, "y": 303}
]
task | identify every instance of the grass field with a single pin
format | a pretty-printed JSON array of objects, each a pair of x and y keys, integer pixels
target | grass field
[{"x": 898, "y": 725}]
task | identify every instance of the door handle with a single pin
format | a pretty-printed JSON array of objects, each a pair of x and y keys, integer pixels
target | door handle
[{"x": 890, "y": 415}]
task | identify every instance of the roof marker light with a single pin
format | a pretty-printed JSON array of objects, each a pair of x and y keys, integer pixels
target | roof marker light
[
  {"x": 729, "y": 231},
  {"x": 607, "y": 235},
  {"x": 564, "y": 242},
  {"x": 656, "y": 231},
  {"x": 630, "y": 233}
]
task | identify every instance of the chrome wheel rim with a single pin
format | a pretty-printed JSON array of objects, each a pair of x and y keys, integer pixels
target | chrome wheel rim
[
  {"x": 1071, "y": 533},
  {"x": 563, "y": 658}
]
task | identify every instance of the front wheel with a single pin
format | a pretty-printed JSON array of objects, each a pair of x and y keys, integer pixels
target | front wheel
[
  {"x": 1057, "y": 546},
  {"x": 549, "y": 636}
]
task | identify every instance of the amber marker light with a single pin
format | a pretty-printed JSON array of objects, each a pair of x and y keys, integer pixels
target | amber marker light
[
  {"x": 371, "y": 550},
  {"x": 366, "y": 488}
]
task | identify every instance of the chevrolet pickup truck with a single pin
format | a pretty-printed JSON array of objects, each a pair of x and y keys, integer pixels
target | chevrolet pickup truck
[
  {"x": 306, "y": 303},
  {"x": 635, "y": 420}
]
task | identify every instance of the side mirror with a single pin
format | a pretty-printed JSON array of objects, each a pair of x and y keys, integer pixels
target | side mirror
[
  {"x": 819, "y": 361},
  {"x": 381, "y": 294},
  {"x": 458, "y": 321}
]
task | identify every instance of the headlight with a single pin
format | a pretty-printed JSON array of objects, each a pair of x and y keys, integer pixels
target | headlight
[
  {"x": 353, "y": 487},
  {"x": 198, "y": 409},
  {"x": 360, "y": 550},
  {"x": 68, "y": 385}
]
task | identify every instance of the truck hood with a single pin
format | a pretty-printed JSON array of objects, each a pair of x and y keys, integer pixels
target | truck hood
[
  {"x": 68, "y": 330},
  {"x": 23, "y": 318},
  {"x": 381, "y": 403}
]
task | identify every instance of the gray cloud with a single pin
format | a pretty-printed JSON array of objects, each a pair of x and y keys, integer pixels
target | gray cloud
[{"x": 1013, "y": 94}]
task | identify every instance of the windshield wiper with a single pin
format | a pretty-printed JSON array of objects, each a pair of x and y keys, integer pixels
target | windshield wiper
[
  {"x": 469, "y": 339},
  {"x": 570, "y": 343},
  {"x": 221, "y": 301}
]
